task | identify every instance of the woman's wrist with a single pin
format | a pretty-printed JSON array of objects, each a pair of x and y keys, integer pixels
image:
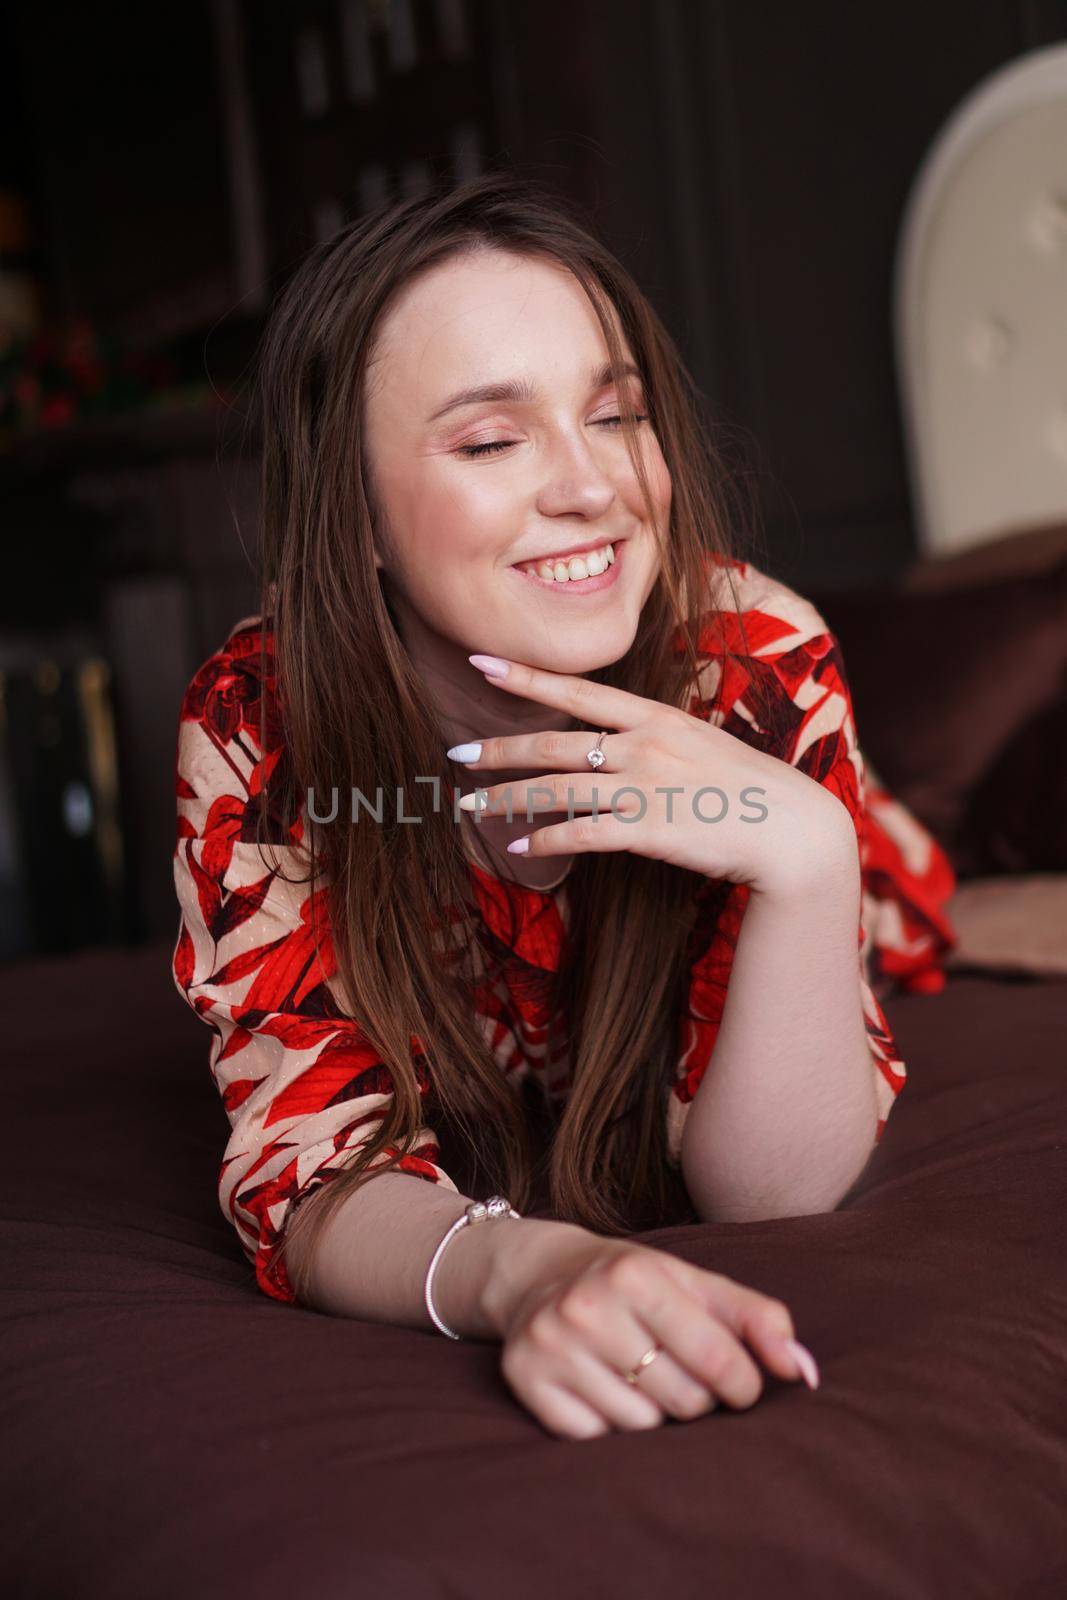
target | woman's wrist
[
  {"x": 825, "y": 853},
  {"x": 524, "y": 1255}
]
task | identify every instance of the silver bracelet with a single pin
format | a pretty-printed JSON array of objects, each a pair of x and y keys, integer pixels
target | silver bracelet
[{"x": 478, "y": 1211}]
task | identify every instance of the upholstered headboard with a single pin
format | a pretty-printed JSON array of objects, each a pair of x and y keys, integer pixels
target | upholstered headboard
[{"x": 981, "y": 312}]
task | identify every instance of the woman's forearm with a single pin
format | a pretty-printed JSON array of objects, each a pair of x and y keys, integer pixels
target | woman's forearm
[
  {"x": 370, "y": 1259},
  {"x": 786, "y": 1114}
]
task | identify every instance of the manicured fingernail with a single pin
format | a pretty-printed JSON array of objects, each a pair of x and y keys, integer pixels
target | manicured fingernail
[
  {"x": 470, "y": 802},
  {"x": 492, "y": 666},
  {"x": 519, "y": 847},
  {"x": 464, "y": 752},
  {"x": 805, "y": 1361}
]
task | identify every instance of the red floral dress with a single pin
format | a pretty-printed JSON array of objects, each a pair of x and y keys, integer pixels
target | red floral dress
[{"x": 301, "y": 1085}]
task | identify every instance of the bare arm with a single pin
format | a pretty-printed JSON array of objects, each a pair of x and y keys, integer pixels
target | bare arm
[
  {"x": 371, "y": 1257},
  {"x": 785, "y": 1117},
  {"x": 571, "y": 1310}
]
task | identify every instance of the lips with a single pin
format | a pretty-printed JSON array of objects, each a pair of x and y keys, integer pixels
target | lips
[{"x": 576, "y": 587}]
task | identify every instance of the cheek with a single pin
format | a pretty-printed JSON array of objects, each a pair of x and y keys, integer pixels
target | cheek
[
  {"x": 447, "y": 549},
  {"x": 443, "y": 521},
  {"x": 659, "y": 483},
  {"x": 659, "y": 475}
]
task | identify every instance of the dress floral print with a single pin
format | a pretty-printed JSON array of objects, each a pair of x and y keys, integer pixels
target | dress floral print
[{"x": 302, "y": 1087}]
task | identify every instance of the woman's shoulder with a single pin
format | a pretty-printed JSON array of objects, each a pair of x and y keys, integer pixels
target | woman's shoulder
[
  {"x": 760, "y": 646},
  {"x": 230, "y": 738},
  {"x": 246, "y": 639},
  {"x": 755, "y": 613},
  {"x": 233, "y": 691}
]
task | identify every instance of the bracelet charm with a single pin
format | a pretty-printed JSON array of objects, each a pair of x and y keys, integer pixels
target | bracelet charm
[{"x": 495, "y": 1208}]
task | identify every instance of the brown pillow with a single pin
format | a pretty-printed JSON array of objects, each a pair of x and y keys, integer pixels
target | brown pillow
[
  {"x": 1011, "y": 924},
  {"x": 943, "y": 682},
  {"x": 1013, "y": 554}
]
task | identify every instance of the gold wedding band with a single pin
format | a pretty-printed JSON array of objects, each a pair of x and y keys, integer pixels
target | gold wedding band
[{"x": 649, "y": 1355}]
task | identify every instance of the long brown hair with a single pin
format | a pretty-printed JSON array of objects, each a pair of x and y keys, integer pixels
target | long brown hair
[{"x": 351, "y": 703}]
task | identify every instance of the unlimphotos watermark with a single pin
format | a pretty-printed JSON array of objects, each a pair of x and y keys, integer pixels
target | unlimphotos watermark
[{"x": 539, "y": 802}]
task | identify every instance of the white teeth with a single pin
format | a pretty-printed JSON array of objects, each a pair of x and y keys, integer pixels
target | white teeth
[{"x": 590, "y": 565}]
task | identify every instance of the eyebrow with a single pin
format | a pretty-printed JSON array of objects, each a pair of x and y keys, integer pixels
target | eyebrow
[{"x": 521, "y": 390}]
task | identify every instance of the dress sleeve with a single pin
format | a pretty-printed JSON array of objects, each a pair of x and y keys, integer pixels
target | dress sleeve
[
  {"x": 908, "y": 882},
  {"x": 301, "y": 1085},
  {"x": 814, "y": 729},
  {"x": 823, "y": 744}
]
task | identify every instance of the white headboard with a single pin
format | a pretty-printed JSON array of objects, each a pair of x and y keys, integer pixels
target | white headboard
[{"x": 980, "y": 312}]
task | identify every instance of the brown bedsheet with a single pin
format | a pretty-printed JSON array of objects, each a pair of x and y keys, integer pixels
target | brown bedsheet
[{"x": 171, "y": 1432}]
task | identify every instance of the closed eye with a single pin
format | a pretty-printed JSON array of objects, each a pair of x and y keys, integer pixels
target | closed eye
[{"x": 493, "y": 445}]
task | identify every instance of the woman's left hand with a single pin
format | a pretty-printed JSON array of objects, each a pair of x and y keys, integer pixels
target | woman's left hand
[{"x": 672, "y": 787}]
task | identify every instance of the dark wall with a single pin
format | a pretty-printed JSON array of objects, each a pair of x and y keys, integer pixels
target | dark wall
[{"x": 751, "y": 163}]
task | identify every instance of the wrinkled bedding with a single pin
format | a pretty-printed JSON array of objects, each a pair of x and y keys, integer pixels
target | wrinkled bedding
[{"x": 170, "y": 1431}]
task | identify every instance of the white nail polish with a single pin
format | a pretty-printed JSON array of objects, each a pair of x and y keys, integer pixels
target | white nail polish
[
  {"x": 805, "y": 1361},
  {"x": 465, "y": 752}
]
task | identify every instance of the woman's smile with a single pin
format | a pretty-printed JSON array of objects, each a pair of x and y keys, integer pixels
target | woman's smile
[{"x": 607, "y": 559}]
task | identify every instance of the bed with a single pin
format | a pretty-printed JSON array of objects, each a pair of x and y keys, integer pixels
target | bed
[{"x": 170, "y": 1431}]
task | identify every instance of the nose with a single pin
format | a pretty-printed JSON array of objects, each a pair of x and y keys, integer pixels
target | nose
[{"x": 575, "y": 482}]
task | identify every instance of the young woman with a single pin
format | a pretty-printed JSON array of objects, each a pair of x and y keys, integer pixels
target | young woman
[{"x": 498, "y": 563}]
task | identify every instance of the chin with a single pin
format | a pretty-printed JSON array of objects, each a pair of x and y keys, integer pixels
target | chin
[{"x": 576, "y": 662}]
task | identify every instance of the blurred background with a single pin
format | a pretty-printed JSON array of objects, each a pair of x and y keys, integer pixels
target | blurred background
[{"x": 162, "y": 170}]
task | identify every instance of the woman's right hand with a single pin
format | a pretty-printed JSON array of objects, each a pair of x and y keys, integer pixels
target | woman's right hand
[{"x": 576, "y": 1329}]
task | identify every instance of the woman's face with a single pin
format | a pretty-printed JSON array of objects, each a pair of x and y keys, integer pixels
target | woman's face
[{"x": 458, "y": 521}]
